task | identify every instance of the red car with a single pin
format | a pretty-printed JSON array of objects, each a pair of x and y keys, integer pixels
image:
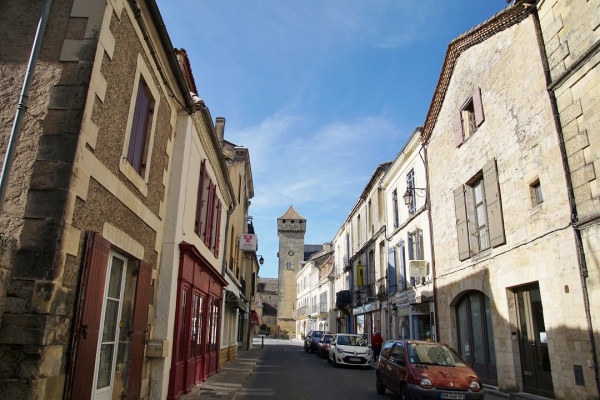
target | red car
[
  {"x": 426, "y": 370},
  {"x": 323, "y": 345}
]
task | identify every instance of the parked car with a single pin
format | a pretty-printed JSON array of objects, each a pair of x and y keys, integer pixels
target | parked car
[
  {"x": 309, "y": 341},
  {"x": 349, "y": 349},
  {"x": 323, "y": 345},
  {"x": 428, "y": 370}
]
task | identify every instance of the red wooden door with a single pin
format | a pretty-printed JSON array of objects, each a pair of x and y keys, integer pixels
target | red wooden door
[
  {"x": 89, "y": 314},
  {"x": 177, "y": 382},
  {"x": 138, "y": 335}
]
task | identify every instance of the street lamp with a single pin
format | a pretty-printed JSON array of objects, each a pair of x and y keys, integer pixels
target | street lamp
[
  {"x": 409, "y": 194},
  {"x": 261, "y": 260}
]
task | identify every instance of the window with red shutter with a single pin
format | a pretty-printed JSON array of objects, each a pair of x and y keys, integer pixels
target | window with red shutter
[{"x": 137, "y": 151}]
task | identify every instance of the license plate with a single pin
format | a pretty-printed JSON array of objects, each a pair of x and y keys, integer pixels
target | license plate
[
  {"x": 354, "y": 359},
  {"x": 455, "y": 396}
]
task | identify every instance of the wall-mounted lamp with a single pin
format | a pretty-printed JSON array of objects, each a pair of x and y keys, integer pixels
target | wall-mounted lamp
[
  {"x": 410, "y": 193},
  {"x": 261, "y": 260}
]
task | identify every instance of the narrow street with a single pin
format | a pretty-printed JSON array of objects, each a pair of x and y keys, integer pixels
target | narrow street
[{"x": 285, "y": 371}]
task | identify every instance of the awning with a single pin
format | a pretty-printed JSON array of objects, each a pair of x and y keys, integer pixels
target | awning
[
  {"x": 254, "y": 318},
  {"x": 235, "y": 302}
]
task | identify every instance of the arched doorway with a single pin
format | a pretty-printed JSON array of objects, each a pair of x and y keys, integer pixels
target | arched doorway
[{"x": 475, "y": 335}]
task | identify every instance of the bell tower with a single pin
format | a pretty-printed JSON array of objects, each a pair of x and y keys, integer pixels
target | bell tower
[{"x": 291, "y": 228}]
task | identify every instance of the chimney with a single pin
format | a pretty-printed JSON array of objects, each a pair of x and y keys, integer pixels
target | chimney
[{"x": 220, "y": 128}]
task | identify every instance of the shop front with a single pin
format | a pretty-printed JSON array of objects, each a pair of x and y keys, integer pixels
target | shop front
[{"x": 414, "y": 316}]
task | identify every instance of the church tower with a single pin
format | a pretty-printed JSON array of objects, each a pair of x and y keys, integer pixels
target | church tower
[{"x": 291, "y": 228}]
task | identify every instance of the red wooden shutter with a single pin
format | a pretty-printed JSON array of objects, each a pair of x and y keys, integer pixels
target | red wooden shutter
[
  {"x": 461, "y": 224},
  {"x": 209, "y": 213},
  {"x": 138, "y": 337},
  {"x": 217, "y": 239},
  {"x": 139, "y": 128},
  {"x": 458, "y": 129},
  {"x": 478, "y": 107},
  {"x": 494, "y": 206},
  {"x": 200, "y": 201},
  {"x": 89, "y": 313}
]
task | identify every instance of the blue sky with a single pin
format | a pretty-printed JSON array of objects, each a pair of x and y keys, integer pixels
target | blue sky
[{"x": 320, "y": 91}]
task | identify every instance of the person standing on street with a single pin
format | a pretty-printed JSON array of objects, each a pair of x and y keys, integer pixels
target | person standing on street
[{"x": 376, "y": 342}]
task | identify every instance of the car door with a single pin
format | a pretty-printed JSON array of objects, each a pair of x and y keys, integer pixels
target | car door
[{"x": 396, "y": 368}]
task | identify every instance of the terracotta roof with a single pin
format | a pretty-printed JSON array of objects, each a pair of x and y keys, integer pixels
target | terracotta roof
[{"x": 291, "y": 213}]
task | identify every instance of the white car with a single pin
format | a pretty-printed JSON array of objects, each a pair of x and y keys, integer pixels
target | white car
[{"x": 350, "y": 349}]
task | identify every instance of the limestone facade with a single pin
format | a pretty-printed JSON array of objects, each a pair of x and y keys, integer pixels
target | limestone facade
[
  {"x": 291, "y": 228},
  {"x": 522, "y": 267}
]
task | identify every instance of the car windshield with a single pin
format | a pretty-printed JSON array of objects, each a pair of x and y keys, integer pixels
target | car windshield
[
  {"x": 317, "y": 334},
  {"x": 327, "y": 338},
  {"x": 351, "y": 341},
  {"x": 434, "y": 354}
]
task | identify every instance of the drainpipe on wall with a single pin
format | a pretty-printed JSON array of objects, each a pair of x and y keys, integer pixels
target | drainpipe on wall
[
  {"x": 22, "y": 106},
  {"x": 583, "y": 272},
  {"x": 433, "y": 274}
]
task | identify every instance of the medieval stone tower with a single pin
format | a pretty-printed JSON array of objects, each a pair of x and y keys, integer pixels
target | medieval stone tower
[{"x": 291, "y": 228}]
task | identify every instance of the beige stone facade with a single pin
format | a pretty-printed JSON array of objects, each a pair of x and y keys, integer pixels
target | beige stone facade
[
  {"x": 571, "y": 36},
  {"x": 524, "y": 266},
  {"x": 291, "y": 228}
]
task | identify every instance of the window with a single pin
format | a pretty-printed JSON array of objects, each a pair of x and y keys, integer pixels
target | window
[
  {"x": 415, "y": 248},
  {"x": 208, "y": 211},
  {"x": 137, "y": 151},
  {"x": 479, "y": 220},
  {"x": 288, "y": 265},
  {"x": 468, "y": 118},
  {"x": 536, "y": 193},
  {"x": 410, "y": 185},
  {"x": 395, "y": 205}
]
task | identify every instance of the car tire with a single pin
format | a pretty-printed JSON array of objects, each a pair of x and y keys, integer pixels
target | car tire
[
  {"x": 379, "y": 386},
  {"x": 335, "y": 364},
  {"x": 404, "y": 394},
  {"x": 328, "y": 359},
  {"x": 306, "y": 348}
]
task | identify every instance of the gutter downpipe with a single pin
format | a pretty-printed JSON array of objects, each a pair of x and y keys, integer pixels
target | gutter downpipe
[
  {"x": 583, "y": 272},
  {"x": 432, "y": 247},
  {"x": 23, "y": 100}
]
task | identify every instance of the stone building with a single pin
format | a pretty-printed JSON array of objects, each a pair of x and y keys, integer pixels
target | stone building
[
  {"x": 410, "y": 276},
  {"x": 268, "y": 300},
  {"x": 571, "y": 37},
  {"x": 509, "y": 293},
  {"x": 291, "y": 228},
  {"x": 97, "y": 171}
]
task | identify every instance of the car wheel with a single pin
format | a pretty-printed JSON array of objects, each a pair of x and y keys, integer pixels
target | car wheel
[
  {"x": 335, "y": 364},
  {"x": 305, "y": 348},
  {"x": 404, "y": 394},
  {"x": 328, "y": 359},
  {"x": 379, "y": 386}
]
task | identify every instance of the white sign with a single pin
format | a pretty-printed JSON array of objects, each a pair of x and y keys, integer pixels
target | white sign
[
  {"x": 248, "y": 242},
  {"x": 418, "y": 268}
]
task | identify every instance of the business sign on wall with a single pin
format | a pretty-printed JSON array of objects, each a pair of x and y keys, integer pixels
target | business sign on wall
[{"x": 248, "y": 242}]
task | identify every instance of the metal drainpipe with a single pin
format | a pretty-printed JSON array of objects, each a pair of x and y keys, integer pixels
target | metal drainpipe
[
  {"x": 583, "y": 274},
  {"x": 432, "y": 247},
  {"x": 22, "y": 106}
]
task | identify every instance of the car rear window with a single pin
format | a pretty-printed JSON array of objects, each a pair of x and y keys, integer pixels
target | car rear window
[{"x": 317, "y": 334}]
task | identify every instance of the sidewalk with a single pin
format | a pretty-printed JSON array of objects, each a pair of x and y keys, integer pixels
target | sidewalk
[{"x": 229, "y": 380}]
